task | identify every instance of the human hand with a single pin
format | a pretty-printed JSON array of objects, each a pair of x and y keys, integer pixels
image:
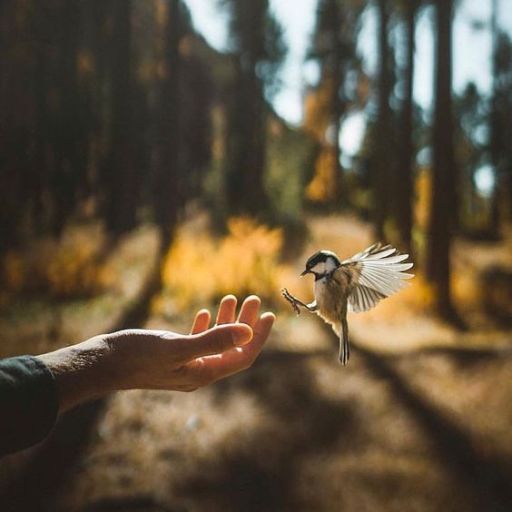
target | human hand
[
  {"x": 166, "y": 360},
  {"x": 150, "y": 359}
]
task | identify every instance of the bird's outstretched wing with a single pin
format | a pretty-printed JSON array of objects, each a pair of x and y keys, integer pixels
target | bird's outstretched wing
[{"x": 377, "y": 272}]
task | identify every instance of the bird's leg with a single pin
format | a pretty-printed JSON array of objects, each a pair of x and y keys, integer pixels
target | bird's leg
[{"x": 312, "y": 307}]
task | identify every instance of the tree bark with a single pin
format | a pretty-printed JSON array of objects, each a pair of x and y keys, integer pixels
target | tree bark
[
  {"x": 246, "y": 159},
  {"x": 67, "y": 159},
  {"x": 167, "y": 191},
  {"x": 121, "y": 177},
  {"x": 405, "y": 192},
  {"x": 382, "y": 161},
  {"x": 496, "y": 129},
  {"x": 336, "y": 102},
  {"x": 443, "y": 207}
]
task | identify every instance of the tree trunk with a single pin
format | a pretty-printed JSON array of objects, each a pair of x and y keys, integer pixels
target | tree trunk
[
  {"x": 495, "y": 129},
  {"x": 382, "y": 161},
  {"x": 405, "y": 192},
  {"x": 246, "y": 159},
  {"x": 121, "y": 177},
  {"x": 256, "y": 146},
  {"x": 336, "y": 103},
  {"x": 39, "y": 180},
  {"x": 167, "y": 193},
  {"x": 68, "y": 161},
  {"x": 443, "y": 206}
]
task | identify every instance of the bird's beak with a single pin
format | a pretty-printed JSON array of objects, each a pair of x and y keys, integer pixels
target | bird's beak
[{"x": 305, "y": 272}]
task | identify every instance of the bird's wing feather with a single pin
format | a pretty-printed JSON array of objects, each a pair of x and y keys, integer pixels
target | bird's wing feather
[
  {"x": 377, "y": 273},
  {"x": 363, "y": 299}
]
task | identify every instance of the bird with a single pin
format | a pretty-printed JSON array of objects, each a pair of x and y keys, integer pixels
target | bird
[{"x": 353, "y": 285}]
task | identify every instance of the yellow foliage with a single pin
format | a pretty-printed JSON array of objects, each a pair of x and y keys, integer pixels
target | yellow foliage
[
  {"x": 200, "y": 269},
  {"x": 72, "y": 271},
  {"x": 63, "y": 270},
  {"x": 423, "y": 194},
  {"x": 318, "y": 111},
  {"x": 323, "y": 186}
]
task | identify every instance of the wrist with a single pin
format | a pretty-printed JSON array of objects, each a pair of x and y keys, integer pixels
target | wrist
[
  {"x": 82, "y": 372},
  {"x": 133, "y": 354}
]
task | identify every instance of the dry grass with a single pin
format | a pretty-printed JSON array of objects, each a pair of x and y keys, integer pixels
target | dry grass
[{"x": 63, "y": 269}]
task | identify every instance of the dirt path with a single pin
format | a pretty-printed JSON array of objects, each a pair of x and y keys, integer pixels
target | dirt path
[
  {"x": 419, "y": 421},
  {"x": 298, "y": 432}
]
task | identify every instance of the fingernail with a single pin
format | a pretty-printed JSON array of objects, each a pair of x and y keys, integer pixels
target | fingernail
[{"x": 241, "y": 336}]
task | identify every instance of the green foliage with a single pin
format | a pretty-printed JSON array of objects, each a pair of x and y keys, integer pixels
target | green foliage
[{"x": 290, "y": 162}]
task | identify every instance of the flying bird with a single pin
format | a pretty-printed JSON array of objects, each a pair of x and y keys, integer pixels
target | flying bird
[{"x": 356, "y": 284}]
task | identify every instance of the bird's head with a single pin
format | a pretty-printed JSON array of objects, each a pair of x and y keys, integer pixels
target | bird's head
[{"x": 321, "y": 263}]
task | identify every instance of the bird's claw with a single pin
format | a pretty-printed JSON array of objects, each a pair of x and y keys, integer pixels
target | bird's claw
[{"x": 291, "y": 299}]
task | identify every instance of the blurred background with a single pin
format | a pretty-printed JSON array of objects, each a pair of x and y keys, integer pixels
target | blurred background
[{"x": 158, "y": 154}]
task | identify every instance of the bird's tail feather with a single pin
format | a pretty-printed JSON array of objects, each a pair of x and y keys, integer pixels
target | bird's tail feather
[{"x": 344, "y": 355}]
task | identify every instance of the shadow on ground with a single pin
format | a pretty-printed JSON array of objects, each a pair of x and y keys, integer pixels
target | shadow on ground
[
  {"x": 484, "y": 477},
  {"x": 262, "y": 476},
  {"x": 266, "y": 476}
]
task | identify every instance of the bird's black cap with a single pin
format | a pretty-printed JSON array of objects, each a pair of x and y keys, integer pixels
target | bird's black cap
[{"x": 319, "y": 257}]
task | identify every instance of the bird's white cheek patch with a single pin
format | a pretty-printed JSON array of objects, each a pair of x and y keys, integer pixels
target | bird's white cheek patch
[{"x": 319, "y": 268}]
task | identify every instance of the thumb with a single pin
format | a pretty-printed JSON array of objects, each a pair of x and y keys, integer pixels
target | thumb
[{"x": 217, "y": 340}]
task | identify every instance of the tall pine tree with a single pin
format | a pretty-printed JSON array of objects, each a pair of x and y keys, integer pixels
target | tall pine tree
[{"x": 258, "y": 50}]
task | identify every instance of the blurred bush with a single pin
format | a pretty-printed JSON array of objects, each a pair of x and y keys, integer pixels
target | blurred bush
[
  {"x": 200, "y": 268},
  {"x": 65, "y": 269}
]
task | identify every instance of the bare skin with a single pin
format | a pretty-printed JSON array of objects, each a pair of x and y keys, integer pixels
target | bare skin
[{"x": 151, "y": 359}]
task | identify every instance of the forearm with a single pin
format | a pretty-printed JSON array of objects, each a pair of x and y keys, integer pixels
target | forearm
[{"x": 82, "y": 372}]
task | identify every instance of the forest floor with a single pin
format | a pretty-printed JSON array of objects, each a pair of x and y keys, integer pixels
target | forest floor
[{"x": 420, "y": 420}]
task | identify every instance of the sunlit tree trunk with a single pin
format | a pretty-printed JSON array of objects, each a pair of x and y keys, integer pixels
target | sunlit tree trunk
[{"x": 443, "y": 207}]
